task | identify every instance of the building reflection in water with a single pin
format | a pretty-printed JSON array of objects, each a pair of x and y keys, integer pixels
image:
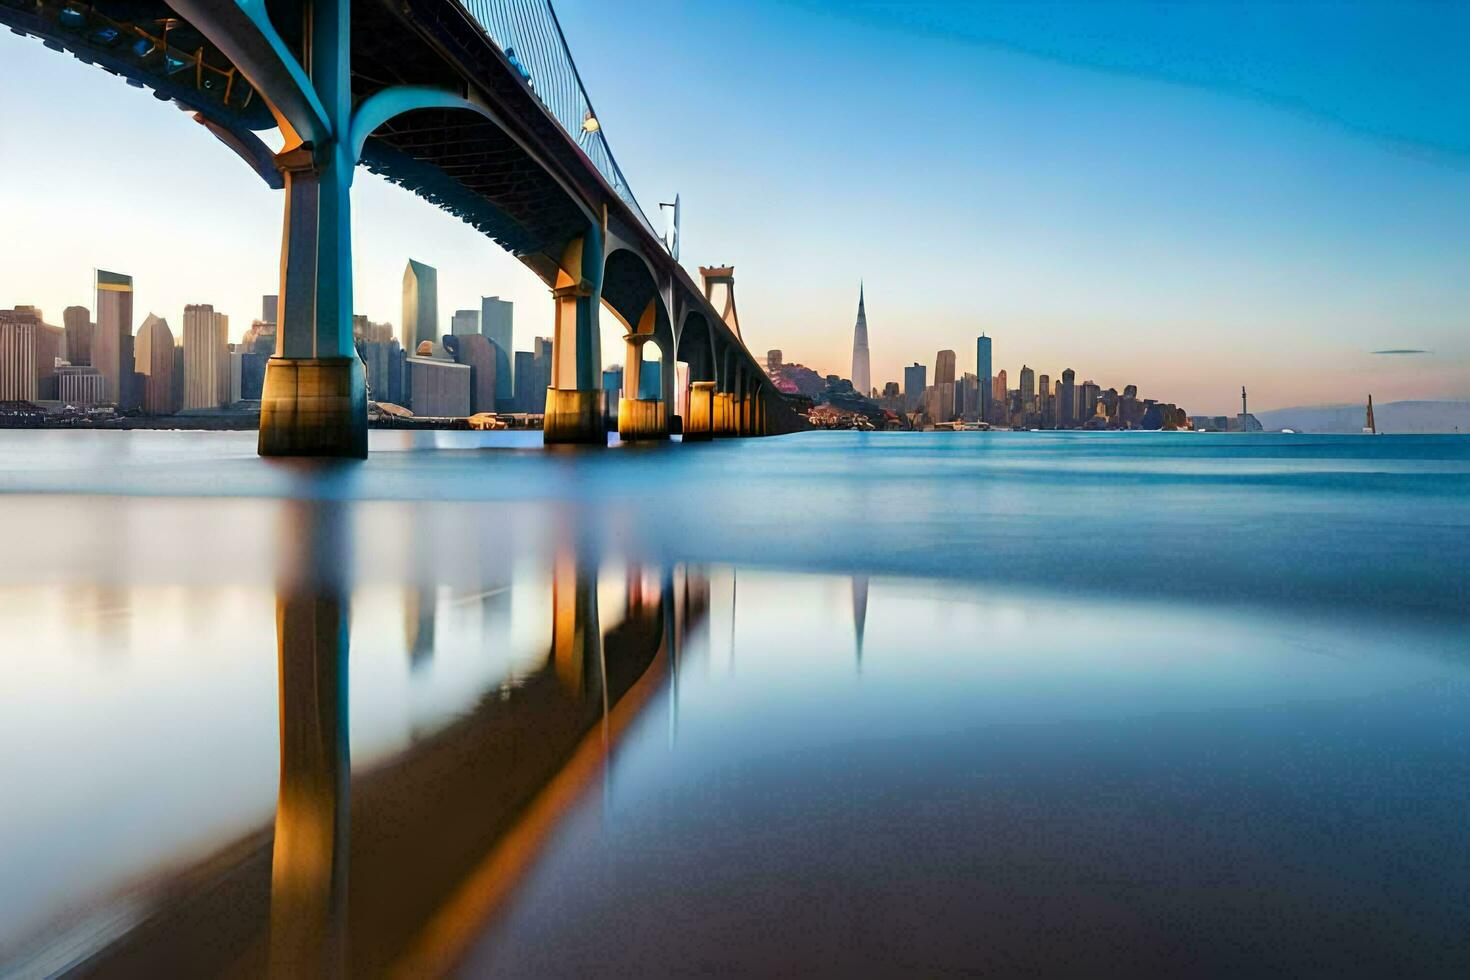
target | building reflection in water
[
  {"x": 859, "y": 613},
  {"x": 400, "y": 866}
]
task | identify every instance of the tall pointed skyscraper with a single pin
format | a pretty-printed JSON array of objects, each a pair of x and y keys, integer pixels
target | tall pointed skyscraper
[{"x": 862, "y": 379}]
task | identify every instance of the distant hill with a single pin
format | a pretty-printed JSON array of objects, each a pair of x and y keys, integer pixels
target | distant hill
[{"x": 1404, "y": 417}]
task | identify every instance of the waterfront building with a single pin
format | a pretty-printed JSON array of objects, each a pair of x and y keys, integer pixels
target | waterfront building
[
  {"x": 77, "y": 323},
  {"x": 80, "y": 385},
  {"x": 383, "y": 364},
  {"x": 464, "y": 322},
  {"x": 420, "y": 304},
  {"x": 438, "y": 388},
  {"x": 967, "y": 401},
  {"x": 114, "y": 322},
  {"x": 1067, "y": 400},
  {"x": 1028, "y": 389},
  {"x": 998, "y": 388},
  {"x": 476, "y": 351},
  {"x": 206, "y": 357},
  {"x": 982, "y": 371},
  {"x": 915, "y": 380},
  {"x": 1087, "y": 399},
  {"x": 18, "y": 330},
  {"x": 497, "y": 323},
  {"x": 944, "y": 365},
  {"x": 247, "y": 375},
  {"x": 862, "y": 380},
  {"x": 153, "y": 358}
]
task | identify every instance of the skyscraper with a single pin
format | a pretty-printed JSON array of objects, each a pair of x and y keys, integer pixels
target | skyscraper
[
  {"x": 114, "y": 321},
  {"x": 420, "y": 305},
  {"x": 982, "y": 371},
  {"x": 269, "y": 308},
  {"x": 77, "y": 321},
  {"x": 862, "y": 380},
  {"x": 18, "y": 330},
  {"x": 1028, "y": 389},
  {"x": 1067, "y": 399},
  {"x": 153, "y": 357},
  {"x": 206, "y": 357},
  {"x": 464, "y": 322},
  {"x": 915, "y": 380},
  {"x": 497, "y": 323},
  {"x": 944, "y": 368}
]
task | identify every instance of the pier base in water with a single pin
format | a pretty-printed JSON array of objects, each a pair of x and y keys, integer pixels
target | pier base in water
[
  {"x": 313, "y": 407},
  {"x": 574, "y": 417}
]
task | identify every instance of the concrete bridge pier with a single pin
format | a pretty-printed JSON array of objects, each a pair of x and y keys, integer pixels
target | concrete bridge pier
[
  {"x": 314, "y": 399},
  {"x": 574, "y": 400},
  {"x": 699, "y": 423},
  {"x": 640, "y": 418}
]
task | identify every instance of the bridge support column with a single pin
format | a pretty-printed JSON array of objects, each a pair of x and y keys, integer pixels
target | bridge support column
[
  {"x": 699, "y": 422},
  {"x": 574, "y": 400},
  {"x": 639, "y": 418},
  {"x": 314, "y": 399}
]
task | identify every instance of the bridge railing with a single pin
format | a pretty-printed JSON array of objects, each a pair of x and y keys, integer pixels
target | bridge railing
[{"x": 528, "y": 33}]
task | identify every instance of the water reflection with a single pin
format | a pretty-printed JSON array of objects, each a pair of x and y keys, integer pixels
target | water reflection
[
  {"x": 399, "y": 865},
  {"x": 309, "y": 861}
]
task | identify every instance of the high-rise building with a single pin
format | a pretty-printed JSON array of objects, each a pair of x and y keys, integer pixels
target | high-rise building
[
  {"x": 384, "y": 367},
  {"x": 475, "y": 350},
  {"x": 153, "y": 358},
  {"x": 1067, "y": 399},
  {"x": 528, "y": 398},
  {"x": 1028, "y": 389},
  {"x": 1087, "y": 399},
  {"x": 269, "y": 309},
  {"x": 464, "y": 322},
  {"x": 18, "y": 330},
  {"x": 497, "y": 323},
  {"x": 998, "y": 388},
  {"x": 77, "y": 322},
  {"x": 982, "y": 371},
  {"x": 206, "y": 357},
  {"x": 114, "y": 322},
  {"x": 915, "y": 380},
  {"x": 420, "y": 305},
  {"x": 50, "y": 345},
  {"x": 773, "y": 362},
  {"x": 862, "y": 378},
  {"x": 944, "y": 364}
]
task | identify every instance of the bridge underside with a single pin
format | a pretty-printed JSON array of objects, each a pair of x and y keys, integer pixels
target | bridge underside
[{"x": 480, "y": 143}]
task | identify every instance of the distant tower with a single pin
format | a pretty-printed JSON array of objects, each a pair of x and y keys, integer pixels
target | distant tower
[
  {"x": 420, "y": 304},
  {"x": 114, "y": 322},
  {"x": 862, "y": 379},
  {"x": 982, "y": 371},
  {"x": 944, "y": 367},
  {"x": 1243, "y": 409},
  {"x": 722, "y": 275}
]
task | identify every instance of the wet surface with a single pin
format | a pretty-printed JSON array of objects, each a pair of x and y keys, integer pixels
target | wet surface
[{"x": 829, "y": 703}]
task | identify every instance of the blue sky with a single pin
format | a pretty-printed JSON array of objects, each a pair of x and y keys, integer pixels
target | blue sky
[{"x": 1189, "y": 197}]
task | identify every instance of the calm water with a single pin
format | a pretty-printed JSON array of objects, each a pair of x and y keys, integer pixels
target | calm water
[{"x": 832, "y": 703}]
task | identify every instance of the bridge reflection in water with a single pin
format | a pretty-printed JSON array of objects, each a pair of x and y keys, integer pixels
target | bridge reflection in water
[{"x": 400, "y": 867}]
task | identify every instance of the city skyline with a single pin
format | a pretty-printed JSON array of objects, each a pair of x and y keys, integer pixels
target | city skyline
[{"x": 1281, "y": 233}]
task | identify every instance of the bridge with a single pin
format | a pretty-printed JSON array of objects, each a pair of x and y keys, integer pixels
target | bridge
[{"x": 474, "y": 105}]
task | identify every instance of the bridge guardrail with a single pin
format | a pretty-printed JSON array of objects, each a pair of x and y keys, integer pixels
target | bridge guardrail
[{"x": 529, "y": 35}]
